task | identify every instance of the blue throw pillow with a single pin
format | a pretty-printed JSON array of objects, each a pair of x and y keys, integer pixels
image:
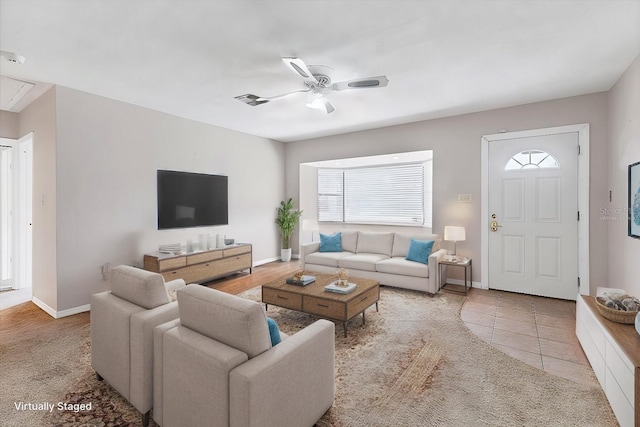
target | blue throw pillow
[
  {"x": 419, "y": 250},
  {"x": 274, "y": 332},
  {"x": 331, "y": 242}
]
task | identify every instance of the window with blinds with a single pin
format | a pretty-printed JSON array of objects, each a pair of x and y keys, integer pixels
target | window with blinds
[{"x": 393, "y": 194}]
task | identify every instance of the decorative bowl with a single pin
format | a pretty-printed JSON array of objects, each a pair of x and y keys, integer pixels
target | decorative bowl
[{"x": 618, "y": 316}]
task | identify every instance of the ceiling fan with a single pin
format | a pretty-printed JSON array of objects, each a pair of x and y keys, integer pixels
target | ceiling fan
[{"x": 317, "y": 83}]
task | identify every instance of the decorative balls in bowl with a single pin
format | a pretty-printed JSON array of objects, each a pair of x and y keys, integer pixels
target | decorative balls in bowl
[{"x": 621, "y": 308}]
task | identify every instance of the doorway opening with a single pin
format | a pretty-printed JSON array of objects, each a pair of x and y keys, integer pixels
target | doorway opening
[{"x": 16, "y": 195}]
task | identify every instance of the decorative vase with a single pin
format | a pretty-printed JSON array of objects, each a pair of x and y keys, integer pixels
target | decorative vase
[
  {"x": 285, "y": 255},
  {"x": 638, "y": 323}
]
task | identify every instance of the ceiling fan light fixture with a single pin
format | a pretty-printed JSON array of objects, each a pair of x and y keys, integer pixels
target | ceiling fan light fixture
[{"x": 321, "y": 103}]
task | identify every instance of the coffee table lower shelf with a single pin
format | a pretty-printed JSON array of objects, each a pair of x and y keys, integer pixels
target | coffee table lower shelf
[{"x": 312, "y": 299}]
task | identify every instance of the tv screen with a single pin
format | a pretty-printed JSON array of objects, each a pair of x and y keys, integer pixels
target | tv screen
[{"x": 188, "y": 199}]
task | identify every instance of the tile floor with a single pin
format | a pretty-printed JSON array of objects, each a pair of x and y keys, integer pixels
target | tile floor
[{"x": 536, "y": 330}]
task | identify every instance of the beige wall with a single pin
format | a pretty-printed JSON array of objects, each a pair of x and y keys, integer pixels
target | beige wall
[
  {"x": 624, "y": 149},
  {"x": 9, "y": 125},
  {"x": 107, "y": 156},
  {"x": 95, "y": 163},
  {"x": 40, "y": 118},
  {"x": 455, "y": 142}
]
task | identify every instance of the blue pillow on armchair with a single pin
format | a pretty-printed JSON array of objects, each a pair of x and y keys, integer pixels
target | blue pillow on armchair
[
  {"x": 274, "y": 332},
  {"x": 419, "y": 250},
  {"x": 331, "y": 242}
]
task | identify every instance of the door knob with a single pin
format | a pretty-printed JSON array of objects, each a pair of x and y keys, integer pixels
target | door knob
[{"x": 494, "y": 225}]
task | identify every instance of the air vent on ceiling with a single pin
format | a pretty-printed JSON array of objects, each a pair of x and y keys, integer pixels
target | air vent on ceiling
[{"x": 12, "y": 91}]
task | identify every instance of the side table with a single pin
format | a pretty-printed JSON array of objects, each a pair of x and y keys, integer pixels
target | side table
[{"x": 466, "y": 265}]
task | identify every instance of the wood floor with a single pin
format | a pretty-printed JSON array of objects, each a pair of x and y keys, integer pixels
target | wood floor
[{"x": 27, "y": 321}]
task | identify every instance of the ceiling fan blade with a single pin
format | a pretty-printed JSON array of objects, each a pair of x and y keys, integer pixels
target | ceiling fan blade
[
  {"x": 321, "y": 103},
  {"x": 298, "y": 66},
  {"x": 366, "y": 83},
  {"x": 251, "y": 99},
  {"x": 255, "y": 100}
]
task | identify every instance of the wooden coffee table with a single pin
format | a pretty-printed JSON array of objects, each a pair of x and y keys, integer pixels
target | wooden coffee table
[{"x": 313, "y": 299}]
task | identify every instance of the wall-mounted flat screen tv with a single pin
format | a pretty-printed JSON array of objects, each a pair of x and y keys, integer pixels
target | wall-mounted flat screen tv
[{"x": 187, "y": 199}]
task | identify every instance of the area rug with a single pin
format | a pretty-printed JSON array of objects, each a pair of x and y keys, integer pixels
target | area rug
[{"x": 413, "y": 363}]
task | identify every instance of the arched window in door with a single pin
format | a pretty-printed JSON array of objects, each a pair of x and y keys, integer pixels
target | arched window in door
[{"x": 531, "y": 159}]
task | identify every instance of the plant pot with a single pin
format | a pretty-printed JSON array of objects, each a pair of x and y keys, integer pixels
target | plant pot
[{"x": 285, "y": 255}]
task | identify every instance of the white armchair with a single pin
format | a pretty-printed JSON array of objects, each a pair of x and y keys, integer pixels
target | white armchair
[
  {"x": 215, "y": 366},
  {"x": 122, "y": 322}
]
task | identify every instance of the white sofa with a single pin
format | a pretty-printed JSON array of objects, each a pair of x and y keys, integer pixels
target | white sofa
[{"x": 379, "y": 256}]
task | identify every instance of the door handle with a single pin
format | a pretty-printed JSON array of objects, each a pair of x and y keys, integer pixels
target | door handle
[{"x": 494, "y": 225}]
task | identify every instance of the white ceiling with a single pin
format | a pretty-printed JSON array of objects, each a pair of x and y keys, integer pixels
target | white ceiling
[{"x": 442, "y": 57}]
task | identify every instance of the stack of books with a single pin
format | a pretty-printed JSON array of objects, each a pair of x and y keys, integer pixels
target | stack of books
[
  {"x": 303, "y": 281},
  {"x": 332, "y": 287},
  {"x": 173, "y": 248}
]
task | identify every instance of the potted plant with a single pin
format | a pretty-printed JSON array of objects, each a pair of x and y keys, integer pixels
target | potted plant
[{"x": 286, "y": 218}]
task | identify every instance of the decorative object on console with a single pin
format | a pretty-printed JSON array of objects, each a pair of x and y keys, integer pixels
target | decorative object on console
[
  {"x": 286, "y": 218},
  {"x": 454, "y": 234},
  {"x": 228, "y": 241},
  {"x": 634, "y": 200},
  {"x": 172, "y": 248}
]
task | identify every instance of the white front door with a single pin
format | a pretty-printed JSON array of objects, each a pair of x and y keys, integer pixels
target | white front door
[{"x": 533, "y": 215}]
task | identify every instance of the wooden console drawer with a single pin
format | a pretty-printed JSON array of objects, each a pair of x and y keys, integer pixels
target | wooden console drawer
[
  {"x": 237, "y": 251},
  {"x": 323, "y": 307},
  {"x": 190, "y": 274},
  {"x": 238, "y": 262},
  {"x": 203, "y": 257},
  {"x": 152, "y": 263},
  {"x": 282, "y": 298}
]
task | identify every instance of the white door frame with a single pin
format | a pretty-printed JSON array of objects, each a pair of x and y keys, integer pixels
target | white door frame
[
  {"x": 25, "y": 211},
  {"x": 583, "y": 196}
]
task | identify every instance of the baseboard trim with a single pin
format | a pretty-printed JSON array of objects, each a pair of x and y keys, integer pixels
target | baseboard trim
[
  {"x": 58, "y": 314},
  {"x": 74, "y": 310},
  {"x": 265, "y": 261}
]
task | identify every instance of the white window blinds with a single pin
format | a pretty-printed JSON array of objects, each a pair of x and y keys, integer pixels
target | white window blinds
[
  {"x": 373, "y": 195},
  {"x": 330, "y": 195}
]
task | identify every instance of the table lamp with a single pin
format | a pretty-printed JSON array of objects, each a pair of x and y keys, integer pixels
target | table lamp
[{"x": 455, "y": 234}]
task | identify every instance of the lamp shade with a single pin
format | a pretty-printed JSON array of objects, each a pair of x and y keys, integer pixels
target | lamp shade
[{"x": 453, "y": 233}]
